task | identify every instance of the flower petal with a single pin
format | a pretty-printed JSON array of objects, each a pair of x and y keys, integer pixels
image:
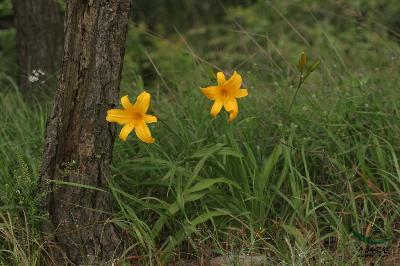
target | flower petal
[
  {"x": 126, "y": 103},
  {"x": 126, "y": 130},
  {"x": 150, "y": 119},
  {"x": 119, "y": 116},
  {"x": 232, "y": 116},
  {"x": 240, "y": 93},
  {"x": 211, "y": 92},
  {"x": 221, "y": 78},
  {"x": 216, "y": 108},
  {"x": 231, "y": 106},
  {"x": 234, "y": 83},
  {"x": 143, "y": 132},
  {"x": 142, "y": 102}
]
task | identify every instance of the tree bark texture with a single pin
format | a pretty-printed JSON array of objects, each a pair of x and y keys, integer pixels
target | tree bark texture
[
  {"x": 79, "y": 141},
  {"x": 39, "y": 25}
]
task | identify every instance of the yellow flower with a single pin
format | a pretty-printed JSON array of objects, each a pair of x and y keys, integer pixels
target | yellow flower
[
  {"x": 225, "y": 94},
  {"x": 133, "y": 117}
]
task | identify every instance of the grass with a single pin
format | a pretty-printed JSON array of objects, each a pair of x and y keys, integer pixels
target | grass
[{"x": 288, "y": 185}]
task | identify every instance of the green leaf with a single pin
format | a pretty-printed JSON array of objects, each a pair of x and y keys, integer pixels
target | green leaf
[
  {"x": 207, "y": 183},
  {"x": 230, "y": 152},
  {"x": 204, "y": 154},
  {"x": 207, "y": 152},
  {"x": 186, "y": 230},
  {"x": 294, "y": 232},
  {"x": 59, "y": 182},
  {"x": 173, "y": 209},
  {"x": 266, "y": 171}
]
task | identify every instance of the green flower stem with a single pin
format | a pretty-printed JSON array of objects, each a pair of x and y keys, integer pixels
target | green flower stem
[{"x": 301, "y": 81}]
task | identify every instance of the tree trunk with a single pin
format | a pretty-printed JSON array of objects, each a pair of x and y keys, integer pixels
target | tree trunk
[
  {"x": 79, "y": 141},
  {"x": 39, "y": 27}
]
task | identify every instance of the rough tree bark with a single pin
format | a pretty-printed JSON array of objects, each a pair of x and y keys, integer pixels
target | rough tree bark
[
  {"x": 39, "y": 25},
  {"x": 79, "y": 141}
]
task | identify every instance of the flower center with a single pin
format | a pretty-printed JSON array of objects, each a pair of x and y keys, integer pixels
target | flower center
[
  {"x": 137, "y": 116},
  {"x": 224, "y": 92}
]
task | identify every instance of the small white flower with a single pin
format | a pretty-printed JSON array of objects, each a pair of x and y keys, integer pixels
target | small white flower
[{"x": 33, "y": 79}]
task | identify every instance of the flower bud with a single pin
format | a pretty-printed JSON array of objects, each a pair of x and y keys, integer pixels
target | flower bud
[{"x": 302, "y": 61}]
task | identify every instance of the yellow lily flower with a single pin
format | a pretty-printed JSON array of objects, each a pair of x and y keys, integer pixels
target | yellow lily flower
[
  {"x": 225, "y": 94},
  {"x": 133, "y": 117}
]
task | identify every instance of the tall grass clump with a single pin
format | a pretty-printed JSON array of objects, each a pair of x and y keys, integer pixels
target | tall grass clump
[
  {"x": 21, "y": 135},
  {"x": 292, "y": 185}
]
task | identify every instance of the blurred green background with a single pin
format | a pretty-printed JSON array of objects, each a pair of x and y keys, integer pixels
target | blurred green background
[{"x": 225, "y": 32}]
